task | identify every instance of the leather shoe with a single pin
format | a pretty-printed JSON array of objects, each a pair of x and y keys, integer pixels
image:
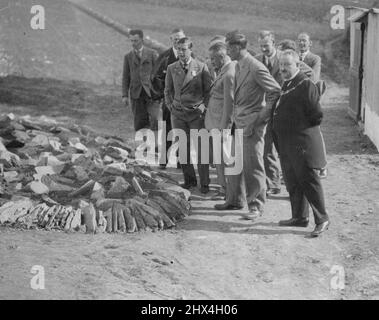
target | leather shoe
[
  {"x": 320, "y": 228},
  {"x": 254, "y": 213},
  {"x": 272, "y": 191},
  {"x": 220, "y": 195},
  {"x": 188, "y": 185},
  {"x": 204, "y": 189},
  {"x": 227, "y": 206},
  {"x": 294, "y": 223}
]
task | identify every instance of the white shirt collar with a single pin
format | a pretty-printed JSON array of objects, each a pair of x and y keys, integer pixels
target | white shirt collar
[
  {"x": 188, "y": 62},
  {"x": 139, "y": 51},
  {"x": 175, "y": 52},
  {"x": 227, "y": 61},
  {"x": 273, "y": 55}
]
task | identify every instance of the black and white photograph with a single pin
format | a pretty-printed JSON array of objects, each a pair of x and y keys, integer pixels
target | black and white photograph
[{"x": 201, "y": 152}]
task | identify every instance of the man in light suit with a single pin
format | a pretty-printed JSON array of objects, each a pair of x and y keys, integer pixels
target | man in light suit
[
  {"x": 270, "y": 58},
  {"x": 220, "y": 105},
  {"x": 253, "y": 84},
  {"x": 305, "y": 55},
  {"x": 136, "y": 83},
  {"x": 296, "y": 120},
  {"x": 187, "y": 88}
]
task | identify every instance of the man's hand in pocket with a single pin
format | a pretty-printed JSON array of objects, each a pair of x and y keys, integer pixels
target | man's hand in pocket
[{"x": 201, "y": 108}]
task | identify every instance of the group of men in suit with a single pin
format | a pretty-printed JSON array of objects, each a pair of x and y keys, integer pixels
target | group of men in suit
[{"x": 271, "y": 98}]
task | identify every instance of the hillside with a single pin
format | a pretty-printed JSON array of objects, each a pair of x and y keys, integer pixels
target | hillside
[{"x": 76, "y": 47}]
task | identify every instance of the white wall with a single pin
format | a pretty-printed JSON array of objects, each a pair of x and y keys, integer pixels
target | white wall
[{"x": 370, "y": 99}]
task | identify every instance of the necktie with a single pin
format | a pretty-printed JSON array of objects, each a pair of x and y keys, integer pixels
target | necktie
[
  {"x": 139, "y": 54},
  {"x": 238, "y": 70},
  {"x": 285, "y": 85},
  {"x": 268, "y": 64},
  {"x": 185, "y": 67}
]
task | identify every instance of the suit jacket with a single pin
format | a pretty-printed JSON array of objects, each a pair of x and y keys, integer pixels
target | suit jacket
[
  {"x": 185, "y": 92},
  {"x": 307, "y": 70},
  {"x": 253, "y": 83},
  {"x": 296, "y": 122},
  {"x": 211, "y": 69},
  {"x": 164, "y": 60},
  {"x": 314, "y": 61},
  {"x": 220, "y": 105},
  {"x": 274, "y": 70},
  {"x": 137, "y": 73}
]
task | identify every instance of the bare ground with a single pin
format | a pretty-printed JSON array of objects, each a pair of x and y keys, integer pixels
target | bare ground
[{"x": 217, "y": 255}]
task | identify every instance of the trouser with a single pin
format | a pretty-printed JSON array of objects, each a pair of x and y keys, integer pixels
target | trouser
[
  {"x": 304, "y": 187},
  {"x": 145, "y": 112},
  {"x": 216, "y": 155},
  {"x": 252, "y": 179},
  {"x": 324, "y": 149},
  {"x": 271, "y": 160},
  {"x": 220, "y": 170},
  {"x": 166, "y": 118},
  {"x": 185, "y": 121}
]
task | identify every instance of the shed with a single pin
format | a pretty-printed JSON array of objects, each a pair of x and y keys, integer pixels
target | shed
[{"x": 364, "y": 70}]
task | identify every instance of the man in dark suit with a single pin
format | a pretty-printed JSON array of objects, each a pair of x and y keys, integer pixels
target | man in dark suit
[
  {"x": 270, "y": 58},
  {"x": 164, "y": 60},
  {"x": 139, "y": 64},
  {"x": 187, "y": 89},
  {"x": 296, "y": 120}
]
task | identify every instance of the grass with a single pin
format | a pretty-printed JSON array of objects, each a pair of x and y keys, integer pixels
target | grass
[
  {"x": 76, "y": 47},
  {"x": 291, "y": 10}
]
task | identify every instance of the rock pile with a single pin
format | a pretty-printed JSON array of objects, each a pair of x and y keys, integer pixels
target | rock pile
[{"x": 67, "y": 177}]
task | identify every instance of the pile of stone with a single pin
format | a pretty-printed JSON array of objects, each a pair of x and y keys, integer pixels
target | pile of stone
[{"x": 67, "y": 177}]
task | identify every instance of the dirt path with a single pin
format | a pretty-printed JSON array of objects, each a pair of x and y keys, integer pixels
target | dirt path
[{"x": 217, "y": 255}]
